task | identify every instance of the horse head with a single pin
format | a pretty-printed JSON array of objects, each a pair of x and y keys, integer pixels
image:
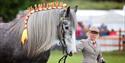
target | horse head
[{"x": 68, "y": 24}]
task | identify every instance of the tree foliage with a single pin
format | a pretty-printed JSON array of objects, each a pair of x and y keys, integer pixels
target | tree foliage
[
  {"x": 111, "y": 0},
  {"x": 9, "y": 8}
]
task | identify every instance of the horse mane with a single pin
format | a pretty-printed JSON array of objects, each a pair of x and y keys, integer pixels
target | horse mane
[
  {"x": 44, "y": 7},
  {"x": 42, "y": 21},
  {"x": 42, "y": 29}
]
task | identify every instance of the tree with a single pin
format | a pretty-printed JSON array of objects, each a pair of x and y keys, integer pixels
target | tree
[
  {"x": 9, "y": 8},
  {"x": 120, "y": 1}
]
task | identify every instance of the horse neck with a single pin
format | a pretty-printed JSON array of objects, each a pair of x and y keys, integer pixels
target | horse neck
[
  {"x": 12, "y": 31},
  {"x": 42, "y": 30}
]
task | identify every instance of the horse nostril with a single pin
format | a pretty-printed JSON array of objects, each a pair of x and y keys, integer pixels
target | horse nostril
[{"x": 67, "y": 28}]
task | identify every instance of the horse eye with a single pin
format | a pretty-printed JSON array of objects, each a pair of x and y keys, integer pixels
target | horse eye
[{"x": 65, "y": 23}]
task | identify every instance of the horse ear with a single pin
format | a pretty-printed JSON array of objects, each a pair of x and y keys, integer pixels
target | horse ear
[
  {"x": 76, "y": 7},
  {"x": 67, "y": 12}
]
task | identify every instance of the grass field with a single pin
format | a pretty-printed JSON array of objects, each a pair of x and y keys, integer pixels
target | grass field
[
  {"x": 106, "y": 5},
  {"x": 110, "y": 57}
]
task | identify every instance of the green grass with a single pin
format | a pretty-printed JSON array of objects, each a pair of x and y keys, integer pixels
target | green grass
[
  {"x": 106, "y": 5},
  {"x": 110, "y": 57},
  {"x": 114, "y": 57}
]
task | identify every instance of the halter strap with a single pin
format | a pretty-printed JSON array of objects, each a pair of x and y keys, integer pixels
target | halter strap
[{"x": 61, "y": 36}]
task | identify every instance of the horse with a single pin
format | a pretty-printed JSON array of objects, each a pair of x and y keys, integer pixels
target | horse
[{"x": 44, "y": 26}]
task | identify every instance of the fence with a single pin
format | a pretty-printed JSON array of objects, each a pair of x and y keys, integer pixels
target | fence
[{"x": 110, "y": 43}]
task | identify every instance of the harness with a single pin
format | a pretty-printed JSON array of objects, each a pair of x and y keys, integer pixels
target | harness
[{"x": 61, "y": 37}]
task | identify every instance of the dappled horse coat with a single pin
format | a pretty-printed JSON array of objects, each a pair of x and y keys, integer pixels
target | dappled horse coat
[{"x": 41, "y": 29}]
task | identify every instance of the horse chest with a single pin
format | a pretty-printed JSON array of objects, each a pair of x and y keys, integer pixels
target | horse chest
[{"x": 9, "y": 54}]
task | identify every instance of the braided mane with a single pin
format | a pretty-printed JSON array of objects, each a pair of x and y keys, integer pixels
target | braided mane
[
  {"x": 44, "y": 7},
  {"x": 36, "y": 8}
]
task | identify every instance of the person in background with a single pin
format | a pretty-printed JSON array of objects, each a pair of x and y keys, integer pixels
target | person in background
[
  {"x": 80, "y": 31},
  {"x": 112, "y": 33},
  {"x": 123, "y": 42},
  {"x": 90, "y": 49}
]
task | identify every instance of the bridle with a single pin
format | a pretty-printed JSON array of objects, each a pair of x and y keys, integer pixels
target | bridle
[{"x": 61, "y": 37}]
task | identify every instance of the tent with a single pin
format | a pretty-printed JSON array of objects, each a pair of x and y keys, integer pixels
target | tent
[{"x": 114, "y": 19}]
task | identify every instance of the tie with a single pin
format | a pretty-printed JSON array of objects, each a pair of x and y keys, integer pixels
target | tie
[{"x": 94, "y": 44}]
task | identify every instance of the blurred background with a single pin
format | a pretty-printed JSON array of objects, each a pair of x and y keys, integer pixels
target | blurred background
[{"x": 107, "y": 15}]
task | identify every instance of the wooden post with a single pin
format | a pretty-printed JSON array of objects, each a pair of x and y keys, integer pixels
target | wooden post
[
  {"x": 123, "y": 42},
  {"x": 119, "y": 39}
]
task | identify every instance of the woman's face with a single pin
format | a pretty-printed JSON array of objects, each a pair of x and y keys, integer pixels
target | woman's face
[{"x": 93, "y": 35}]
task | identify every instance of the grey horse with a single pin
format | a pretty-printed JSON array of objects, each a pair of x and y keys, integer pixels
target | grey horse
[{"x": 43, "y": 29}]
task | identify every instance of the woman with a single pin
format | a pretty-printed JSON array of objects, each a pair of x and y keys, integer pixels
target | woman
[{"x": 89, "y": 47}]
